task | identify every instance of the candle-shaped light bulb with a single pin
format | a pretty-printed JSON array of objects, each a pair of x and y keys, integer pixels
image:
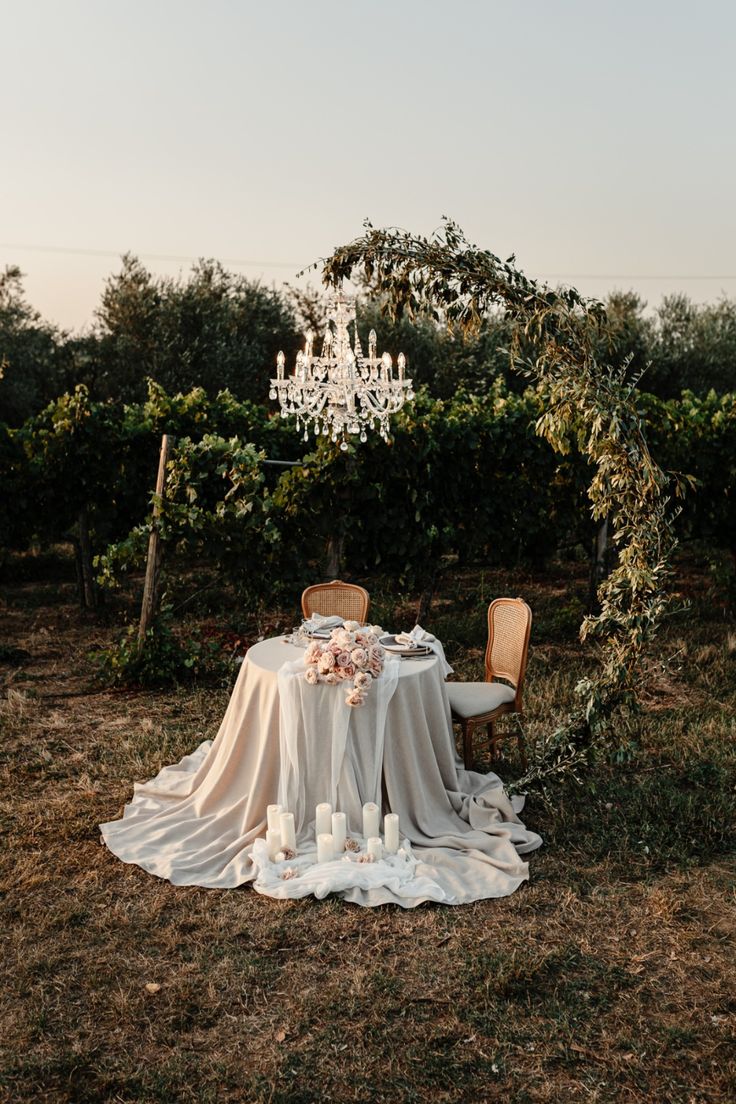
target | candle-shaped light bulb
[
  {"x": 372, "y": 339},
  {"x": 386, "y": 363},
  {"x": 402, "y": 365},
  {"x": 280, "y": 362}
]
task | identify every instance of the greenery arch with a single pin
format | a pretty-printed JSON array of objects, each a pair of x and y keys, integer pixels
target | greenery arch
[{"x": 587, "y": 403}]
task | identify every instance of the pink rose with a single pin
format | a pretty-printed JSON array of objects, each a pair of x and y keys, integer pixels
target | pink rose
[
  {"x": 343, "y": 659},
  {"x": 335, "y": 649},
  {"x": 355, "y": 697},
  {"x": 376, "y": 651},
  {"x": 349, "y": 671},
  {"x": 375, "y": 669},
  {"x": 311, "y": 676},
  {"x": 326, "y": 663},
  {"x": 330, "y": 678},
  {"x": 362, "y": 680},
  {"x": 359, "y": 657},
  {"x": 313, "y": 652}
]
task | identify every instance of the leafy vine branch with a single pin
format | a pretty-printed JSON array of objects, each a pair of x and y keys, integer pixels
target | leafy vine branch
[{"x": 589, "y": 405}]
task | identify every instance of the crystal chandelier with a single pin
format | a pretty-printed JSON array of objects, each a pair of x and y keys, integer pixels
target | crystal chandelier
[{"x": 342, "y": 391}]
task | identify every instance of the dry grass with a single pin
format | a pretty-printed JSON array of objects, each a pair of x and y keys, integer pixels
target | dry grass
[{"x": 610, "y": 977}]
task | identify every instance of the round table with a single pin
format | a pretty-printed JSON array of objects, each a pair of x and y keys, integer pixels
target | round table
[{"x": 195, "y": 822}]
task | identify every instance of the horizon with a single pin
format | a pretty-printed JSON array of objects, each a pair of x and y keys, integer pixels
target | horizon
[{"x": 589, "y": 144}]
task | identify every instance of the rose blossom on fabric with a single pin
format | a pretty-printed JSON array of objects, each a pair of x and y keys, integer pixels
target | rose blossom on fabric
[
  {"x": 330, "y": 678},
  {"x": 376, "y": 651},
  {"x": 343, "y": 659},
  {"x": 326, "y": 663},
  {"x": 313, "y": 652},
  {"x": 311, "y": 676},
  {"x": 355, "y": 697},
  {"x": 335, "y": 648},
  {"x": 363, "y": 680},
  {"x": 359, "y": 657},
  {"x": 348, "y": 672},
  {"x": 351, "y": 626},
  {"x": 343, "y": 638}
]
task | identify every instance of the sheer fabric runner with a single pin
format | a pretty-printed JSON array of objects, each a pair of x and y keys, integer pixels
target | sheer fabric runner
[
  {"x": 316, "y": 727},
  {"x": 197, "y": 821}
]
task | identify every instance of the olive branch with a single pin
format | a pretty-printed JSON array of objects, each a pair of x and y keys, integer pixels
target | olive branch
[{"x": 589, "y": 405}]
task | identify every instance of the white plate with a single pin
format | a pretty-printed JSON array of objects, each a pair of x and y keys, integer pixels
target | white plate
[{"x": 389, "y": 643}]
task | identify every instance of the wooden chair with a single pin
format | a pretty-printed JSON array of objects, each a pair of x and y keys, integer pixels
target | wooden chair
[
  {"x": 481, "y": 703},
  {"x": 337, "y": 599}
]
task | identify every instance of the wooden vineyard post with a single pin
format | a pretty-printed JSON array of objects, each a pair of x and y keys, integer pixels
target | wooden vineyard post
[
  {"x": 149, "y": 606},
  {"x": 89, "y": 592}
]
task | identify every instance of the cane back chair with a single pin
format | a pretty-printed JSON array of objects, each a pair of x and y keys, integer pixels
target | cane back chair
[
  {"x": 475, "y": 704},
  {"x": 337, "y": 599}
]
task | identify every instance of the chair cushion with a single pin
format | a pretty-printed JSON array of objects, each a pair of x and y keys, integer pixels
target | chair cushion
[{"x": 473, "y": 699}]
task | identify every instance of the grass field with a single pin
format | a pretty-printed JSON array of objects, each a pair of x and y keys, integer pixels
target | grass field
[{"x": 609, "y": 977}]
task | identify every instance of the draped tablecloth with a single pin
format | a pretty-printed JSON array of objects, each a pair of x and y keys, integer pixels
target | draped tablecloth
[{"x": 196, "y": 822}]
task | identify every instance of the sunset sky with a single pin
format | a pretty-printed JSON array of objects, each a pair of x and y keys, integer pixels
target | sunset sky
[{"x": 594, "y": 140}]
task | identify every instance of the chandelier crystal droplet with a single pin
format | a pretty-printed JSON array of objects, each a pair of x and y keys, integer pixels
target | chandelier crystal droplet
[{"x": 342, "y": 392}]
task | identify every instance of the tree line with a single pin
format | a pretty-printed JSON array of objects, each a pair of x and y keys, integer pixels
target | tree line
[{"x": 217, "y": 330}]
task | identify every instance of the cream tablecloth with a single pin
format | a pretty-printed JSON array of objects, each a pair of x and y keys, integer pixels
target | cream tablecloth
[{"x": 195, "y": 823}]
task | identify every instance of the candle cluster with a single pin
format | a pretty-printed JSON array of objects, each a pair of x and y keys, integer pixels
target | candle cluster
[
  {"x": 332, "y": 843},
  {"x": 331, "y": 833}
]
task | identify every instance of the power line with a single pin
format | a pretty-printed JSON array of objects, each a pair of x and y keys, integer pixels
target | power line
[
  {"x": 296, "y": 266},
  {"x": 626, "y": 276},
  {"x": 148, "y": 256}
]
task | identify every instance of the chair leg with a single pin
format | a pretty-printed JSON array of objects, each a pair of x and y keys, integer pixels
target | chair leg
[
  {"x": 492, "y": 739},
  {"x": 468, "y": 728},
  {"x": 521, "y": 741}
]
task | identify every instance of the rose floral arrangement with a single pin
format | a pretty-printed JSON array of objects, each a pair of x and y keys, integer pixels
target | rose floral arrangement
[{"x": 351, "y": 654}]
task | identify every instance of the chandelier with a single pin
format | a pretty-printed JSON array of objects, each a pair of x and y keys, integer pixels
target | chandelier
[{"x": 342, "y": 391}]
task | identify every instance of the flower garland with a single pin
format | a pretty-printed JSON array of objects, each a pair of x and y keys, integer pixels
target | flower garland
[{"x": 352, "y": 653}]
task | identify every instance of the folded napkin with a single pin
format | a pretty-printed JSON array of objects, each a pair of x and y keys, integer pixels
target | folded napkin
[
  {"x": 420, "y": 638},
  {"x": 318, "y": 622}
]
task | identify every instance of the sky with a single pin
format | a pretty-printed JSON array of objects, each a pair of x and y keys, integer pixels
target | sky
[{"x": 595, "y": 139}]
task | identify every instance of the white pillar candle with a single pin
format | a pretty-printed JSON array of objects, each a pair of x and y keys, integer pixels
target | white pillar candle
[
  {"x": 339, "y": 831},
  {"x": 391, "y": 832},
  {"x": 273, "y": 843},
  {"x": 288, "y": 835},
  {"x": 374, "y": 848},
  {"x": 325, "y": 847},
  {"x": 371, "y": 819},
  {"x": 323, "y": 825},
  {"x": 273, "y": 812}
]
